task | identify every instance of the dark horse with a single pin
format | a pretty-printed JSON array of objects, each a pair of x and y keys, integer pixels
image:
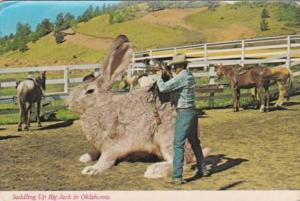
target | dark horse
[
  {"x": 30, "y": 91},
  {"x": 258, "y": 78}
]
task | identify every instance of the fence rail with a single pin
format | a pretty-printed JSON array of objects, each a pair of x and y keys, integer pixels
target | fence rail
[
  {"x": 280, "y": 49},
  {"x": 275, "y": 50}
]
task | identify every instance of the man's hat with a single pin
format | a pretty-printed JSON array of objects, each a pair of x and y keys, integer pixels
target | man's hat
[{"x": 178, "y": 59}]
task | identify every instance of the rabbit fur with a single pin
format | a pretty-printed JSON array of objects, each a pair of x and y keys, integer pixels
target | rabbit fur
[{"x": 122, "y": 125}]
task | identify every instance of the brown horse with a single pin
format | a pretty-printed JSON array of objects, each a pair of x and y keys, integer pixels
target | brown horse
[
  {"x": 258, "y": 78},
  {"x": 30, "y": 91}
]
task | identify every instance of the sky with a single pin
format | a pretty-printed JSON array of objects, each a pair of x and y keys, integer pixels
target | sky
[{"x": 33, "y": 12}]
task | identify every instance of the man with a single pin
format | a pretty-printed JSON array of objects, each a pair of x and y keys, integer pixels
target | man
[{"x": 182, "y": 86}]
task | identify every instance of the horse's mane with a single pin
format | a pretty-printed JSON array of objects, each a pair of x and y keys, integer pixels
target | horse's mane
[{"x": 41, "y": 81}]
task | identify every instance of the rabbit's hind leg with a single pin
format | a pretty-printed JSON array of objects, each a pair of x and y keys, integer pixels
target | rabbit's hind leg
[
  {"x": 161, "y": 169},
  {"x": 158, "y": 170},
  {"x": 106, "y": 161}
]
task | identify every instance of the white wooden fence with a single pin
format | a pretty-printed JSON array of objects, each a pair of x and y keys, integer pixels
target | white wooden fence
[
  {"x": 280, "y": 49},
  {"x": 277, "y": 50},
  {"x": 66, "y": 80},
  {"x": 268, "y": 50}
]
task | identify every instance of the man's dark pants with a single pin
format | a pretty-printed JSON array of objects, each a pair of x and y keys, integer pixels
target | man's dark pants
[{"x": 186, "y": 127}]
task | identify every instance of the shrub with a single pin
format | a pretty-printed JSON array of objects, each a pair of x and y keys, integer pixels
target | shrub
[{"x": 59, "y": 37}]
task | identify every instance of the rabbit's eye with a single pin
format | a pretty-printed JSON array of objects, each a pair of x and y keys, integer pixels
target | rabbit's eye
[{"x": 90, "y": 91}]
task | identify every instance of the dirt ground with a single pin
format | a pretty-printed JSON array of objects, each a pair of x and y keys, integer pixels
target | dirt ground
[
  {"x": 172, "y": 17},
  {"x": 250, "y": 150}
]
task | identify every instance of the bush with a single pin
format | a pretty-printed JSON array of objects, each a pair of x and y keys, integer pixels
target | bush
[
  {"x": 265, "y": 14},
  {"x": 59, "y": 37},
  {"x": 264, "y": 26},
  {"x": 23, "y": 47}
]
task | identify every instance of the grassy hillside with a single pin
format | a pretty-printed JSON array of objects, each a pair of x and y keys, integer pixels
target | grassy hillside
[
  {"x": 46, "y": 52},
  {"x": 163, "y": 28},
  {"x": 229, "y": 22},
  {"x": 143, "y": 35}
]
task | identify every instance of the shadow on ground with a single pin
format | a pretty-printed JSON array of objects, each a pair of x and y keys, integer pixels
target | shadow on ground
[
  {"x": 219, "y": 163},
  {"x": 58, "y": 125},
  {"x": 229, "y": 186},
  {"x": 8, "y": 137}
]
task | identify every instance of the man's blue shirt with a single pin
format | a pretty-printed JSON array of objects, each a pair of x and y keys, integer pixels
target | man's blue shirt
[{"x": 183, "y": 88}]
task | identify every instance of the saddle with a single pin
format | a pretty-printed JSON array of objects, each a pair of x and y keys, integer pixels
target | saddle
[{"x": 36, "y": 84}]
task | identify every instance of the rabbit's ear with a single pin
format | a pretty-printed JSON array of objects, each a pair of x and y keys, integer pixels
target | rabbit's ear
[{"x": 116, "y": 62}]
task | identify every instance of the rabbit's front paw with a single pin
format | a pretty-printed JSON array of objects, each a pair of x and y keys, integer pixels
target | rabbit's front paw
[
  {"x": 85, "y": 158},
  {"x": 90, "y": 170}
]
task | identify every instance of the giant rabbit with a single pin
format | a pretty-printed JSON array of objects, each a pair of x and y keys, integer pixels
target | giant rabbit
[{"x": 120, "y": 126}]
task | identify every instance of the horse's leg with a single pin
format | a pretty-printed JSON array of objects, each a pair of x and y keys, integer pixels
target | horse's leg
[
  {"x": 38, "y": 109},
  {"x": 267, "y": 98},
  {"x": 22, "y": 114},
  {"x": 282, "y": 92},
  {"x": 28, "y": 116},
  {"x": 261, "y": 99},
  {"x": 234, "y": 97},
  {"x": 238, "y": 95},
  {"x": 253, "y": 92}
]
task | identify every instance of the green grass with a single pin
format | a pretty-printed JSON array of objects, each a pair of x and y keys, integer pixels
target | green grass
[
  {"x": 65, "y": 114},
  {"x": 222, "y": 17},
  {"x": 11, "y": 91},
  {"x": 46, "y": 51},
  {"x": 9, "y": 112},
  {"x": 143, "y": 35}
]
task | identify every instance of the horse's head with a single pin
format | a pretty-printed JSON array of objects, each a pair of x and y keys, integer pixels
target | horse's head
[
  {"x": 41, "y": 79},
  {"x": 219, "y": 71}
]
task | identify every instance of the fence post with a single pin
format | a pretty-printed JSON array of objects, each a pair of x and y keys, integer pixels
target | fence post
[
  {"x": 205, "y": 56},
  {"x": 243, "y": 53},
  {"x": 211, "y": 100},
  {"x": 150, "y": 54},
  {"x": 131, "y": 66},
  {"x": 211, "y": 74},
  {"x": 97, "y": 71},
  {"x": 66, "y": 80},
  {"x": 288, "y": 56},
  {"x": 175, "y": 50}
]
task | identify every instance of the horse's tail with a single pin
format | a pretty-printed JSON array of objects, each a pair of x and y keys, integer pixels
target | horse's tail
[{"x": 290, "y": 84}]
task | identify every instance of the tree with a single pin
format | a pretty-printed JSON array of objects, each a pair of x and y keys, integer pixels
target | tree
[
  {"x": 13, "y": 45},
  {"x": 22, "y": 36},
  {"x": 265, "y": 14},
  {"x": 60, "y": 23},
  {"x": 22, "y": 46},
  {"x": 264, "y": 26},
  {"x": 69, "y": 20},
  {"x": 44, "y": 28},
  {"x": 23, "y": 29},
  {"x": 119, "y": 16},
  {"x": 97, "y": 11},
  {"x": 88, "y": 14},
  {"x": 34, "y": 36},
  {"x": 111, "y": 18},
  {"x": 297, "y": 16},
  {"x": 2, "y": 46}
]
